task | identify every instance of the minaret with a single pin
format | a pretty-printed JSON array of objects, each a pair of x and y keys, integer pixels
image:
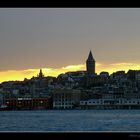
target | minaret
[{"x": 90, "y": 64}]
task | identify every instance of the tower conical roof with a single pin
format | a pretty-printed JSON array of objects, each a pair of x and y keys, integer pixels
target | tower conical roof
[
  {"x": 90, "y": 57},
  {"x": 40, "y": 73}
]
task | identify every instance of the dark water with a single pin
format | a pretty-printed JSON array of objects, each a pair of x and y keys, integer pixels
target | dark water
[{"x": 70, "y": 120}]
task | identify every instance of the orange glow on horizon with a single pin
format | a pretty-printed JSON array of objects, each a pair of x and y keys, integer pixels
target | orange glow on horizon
[{"x": 12, "y": 75}]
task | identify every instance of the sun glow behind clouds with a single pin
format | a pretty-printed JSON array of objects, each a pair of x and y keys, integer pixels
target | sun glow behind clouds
[
  {"x": 118, "y": 67},
  {"x": 21, "y": 74}
]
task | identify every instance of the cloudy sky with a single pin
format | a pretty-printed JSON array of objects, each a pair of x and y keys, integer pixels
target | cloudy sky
[{"x": 59, "y": 40}]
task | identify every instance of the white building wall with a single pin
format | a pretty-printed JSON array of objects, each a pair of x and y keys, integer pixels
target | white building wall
[{"x": 107, "y": 102}]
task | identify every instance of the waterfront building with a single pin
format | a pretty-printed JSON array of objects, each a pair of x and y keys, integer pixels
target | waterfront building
[
  {"x": 120, "y": 103},
  {"x": 66, "y": 98},
  {"x": 29, "y": 103}
]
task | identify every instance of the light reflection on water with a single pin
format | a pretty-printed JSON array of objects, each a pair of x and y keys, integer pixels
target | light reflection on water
[{"x": 70, "y": 120}]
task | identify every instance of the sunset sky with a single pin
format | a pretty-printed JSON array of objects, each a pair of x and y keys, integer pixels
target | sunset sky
[{"x": 59, "y": 40}]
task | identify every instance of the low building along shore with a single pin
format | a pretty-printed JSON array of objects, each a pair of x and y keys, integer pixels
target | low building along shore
[{"x": 110, "y": 104}]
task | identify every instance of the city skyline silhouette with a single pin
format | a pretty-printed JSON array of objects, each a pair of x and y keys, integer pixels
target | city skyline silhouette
[{"x": 58, "y": 40}]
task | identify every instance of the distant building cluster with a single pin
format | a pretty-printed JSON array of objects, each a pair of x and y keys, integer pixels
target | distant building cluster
[{"x": 74, "y": 90}]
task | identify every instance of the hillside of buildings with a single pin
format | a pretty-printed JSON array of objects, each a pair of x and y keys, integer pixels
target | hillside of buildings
[{"x": 81, "y": 89}]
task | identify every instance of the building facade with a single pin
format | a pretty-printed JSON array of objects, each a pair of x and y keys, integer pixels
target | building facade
[
  {"x": 28, "y": 103},
  {"x": 66, "y": 98},
  {"x": 120, "y": 103}
]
